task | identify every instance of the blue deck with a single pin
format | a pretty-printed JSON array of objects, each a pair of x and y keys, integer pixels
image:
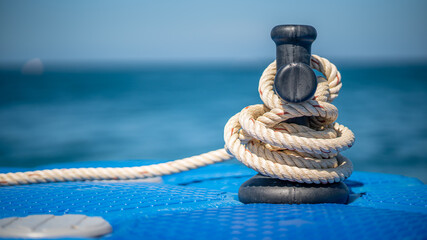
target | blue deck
[{"x": 202, "y": 204}]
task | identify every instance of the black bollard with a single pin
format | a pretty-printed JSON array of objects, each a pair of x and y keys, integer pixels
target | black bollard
[{"x": 295, "y": 82}]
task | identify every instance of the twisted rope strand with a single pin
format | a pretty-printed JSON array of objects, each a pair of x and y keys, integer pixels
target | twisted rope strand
[
  {"x": 124, "y": 173},
  {"x": 257, "y": 136}
]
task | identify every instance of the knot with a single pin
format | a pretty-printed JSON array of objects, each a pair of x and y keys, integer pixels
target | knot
[{"x": 259, "y": 138}]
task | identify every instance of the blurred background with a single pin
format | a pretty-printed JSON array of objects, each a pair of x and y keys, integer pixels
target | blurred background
[{"x": 119, "y": 80}]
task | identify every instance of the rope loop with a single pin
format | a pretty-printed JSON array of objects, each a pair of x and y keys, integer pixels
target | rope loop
[{"x": 259, "y": 138}]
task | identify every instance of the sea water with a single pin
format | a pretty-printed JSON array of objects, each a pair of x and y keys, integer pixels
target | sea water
[{"x": 68, "y": 114}]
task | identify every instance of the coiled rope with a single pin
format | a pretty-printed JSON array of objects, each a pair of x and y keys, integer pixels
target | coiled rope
[{"x": 256, "y": 136}]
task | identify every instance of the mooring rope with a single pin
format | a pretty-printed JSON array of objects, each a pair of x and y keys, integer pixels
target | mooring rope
[{"x": 257, "y": 136}]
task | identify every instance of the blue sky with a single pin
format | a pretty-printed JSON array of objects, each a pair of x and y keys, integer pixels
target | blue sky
[{"x": 217, "y": 30}]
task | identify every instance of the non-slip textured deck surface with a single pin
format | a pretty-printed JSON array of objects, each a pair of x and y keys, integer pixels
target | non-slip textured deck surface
[{"x": 202, "y": 204}]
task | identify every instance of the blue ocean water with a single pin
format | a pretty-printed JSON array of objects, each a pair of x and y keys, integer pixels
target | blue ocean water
[{"x": 77, "y": 114}]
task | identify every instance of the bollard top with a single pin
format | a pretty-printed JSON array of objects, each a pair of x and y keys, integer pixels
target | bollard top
[{"x": 293, "y": 34}]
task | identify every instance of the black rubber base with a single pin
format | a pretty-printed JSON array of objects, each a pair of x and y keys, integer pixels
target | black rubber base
[{"x": 262, "y": 189}]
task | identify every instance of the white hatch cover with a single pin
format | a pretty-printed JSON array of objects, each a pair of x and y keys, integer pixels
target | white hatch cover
[{"x": 51, "y": 226}]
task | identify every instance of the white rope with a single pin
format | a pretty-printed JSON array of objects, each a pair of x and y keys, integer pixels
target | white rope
[{"x": 256, "y": 136}]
